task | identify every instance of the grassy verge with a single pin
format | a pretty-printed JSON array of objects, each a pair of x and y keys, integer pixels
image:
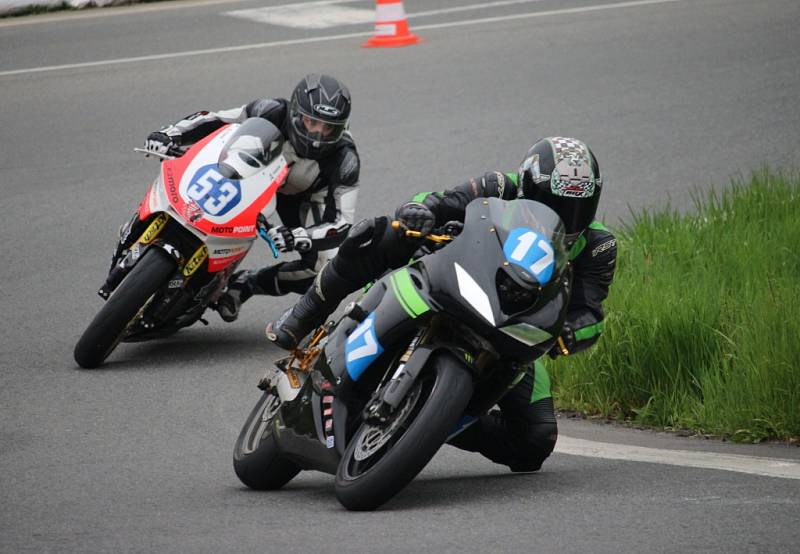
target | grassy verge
[{"x": 702, "y": 330}]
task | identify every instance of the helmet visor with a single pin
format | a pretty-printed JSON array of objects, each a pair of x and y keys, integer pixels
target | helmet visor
[
  {"x": 315, "y": 129},
  {"x": 576, "y": 213}
]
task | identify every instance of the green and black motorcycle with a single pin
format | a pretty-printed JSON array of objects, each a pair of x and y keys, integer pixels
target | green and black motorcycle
[{"x": 429, "y": 347}]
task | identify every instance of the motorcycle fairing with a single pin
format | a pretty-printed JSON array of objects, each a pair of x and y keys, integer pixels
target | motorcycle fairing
[
  {"x": 363, "y": 345},
  {"x": 354, "y": 346},
  {"x": 222, "y": 207},
  {"x": 523, "y": 239}
]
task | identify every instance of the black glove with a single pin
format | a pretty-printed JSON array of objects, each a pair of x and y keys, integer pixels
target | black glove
[
  {"x": 453, "y": 228},
  {"x": 160, "y": 142},
  {"x": 414, "y": 216},
  {"x": 564, "y": 343}
]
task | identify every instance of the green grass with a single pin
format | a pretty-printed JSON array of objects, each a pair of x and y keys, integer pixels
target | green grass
[{"x": 702, "y": 330}]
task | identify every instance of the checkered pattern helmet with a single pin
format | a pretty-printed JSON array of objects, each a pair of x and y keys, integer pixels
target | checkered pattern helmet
[
  {"x": 323, "y": 101},
  {"x": 563, "y": 173}
]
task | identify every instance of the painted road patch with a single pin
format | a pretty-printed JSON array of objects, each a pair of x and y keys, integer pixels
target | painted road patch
[{"x": 313, "y": 15}]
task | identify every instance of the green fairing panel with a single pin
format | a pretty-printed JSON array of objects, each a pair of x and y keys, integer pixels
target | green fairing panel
[{"x": 407, "y": 294}]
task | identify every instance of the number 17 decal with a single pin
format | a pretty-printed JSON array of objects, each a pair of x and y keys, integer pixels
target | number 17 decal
[
  {"x": 214, "y": 193},
  {"x": 532, "y": 252}
]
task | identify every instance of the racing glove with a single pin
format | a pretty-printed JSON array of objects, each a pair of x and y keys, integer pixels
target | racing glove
[
  {"x": 286, "y": 239},
  {"x": 414, "y": 216},
  {"x": 159, "y": 142}
]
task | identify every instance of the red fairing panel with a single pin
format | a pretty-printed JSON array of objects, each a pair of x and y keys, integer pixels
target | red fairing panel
[{"x": 220, "y": 207}]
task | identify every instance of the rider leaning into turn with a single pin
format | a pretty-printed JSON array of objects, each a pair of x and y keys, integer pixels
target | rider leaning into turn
[
  {"x": 317, "y": 202},
  {"x": 559, "y": 172}
]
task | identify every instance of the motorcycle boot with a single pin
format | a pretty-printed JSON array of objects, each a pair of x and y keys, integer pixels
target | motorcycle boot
[
  {"x": 311, "y": 311},
  {"x": 242, "y": 286}
]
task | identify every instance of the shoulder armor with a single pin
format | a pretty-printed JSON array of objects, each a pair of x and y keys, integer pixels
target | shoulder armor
[
  {"x": 349, "y": 167},
  {"x": 497, "y": 184},
  {"x": 268, "y": 108}
]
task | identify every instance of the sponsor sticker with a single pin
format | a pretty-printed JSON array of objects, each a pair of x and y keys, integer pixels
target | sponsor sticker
[
  {"x": 227, "y": 229},
  {"x": 195, "y": 261},
  {"x": 154, "y": 228},
  {"x": 603, "y": 247},
  {"x": 192, "y": 211}
]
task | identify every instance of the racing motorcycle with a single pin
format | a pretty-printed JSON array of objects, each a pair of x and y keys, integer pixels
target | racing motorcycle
[
  {"x": 196, "y": 223},
  {"x": 428, "y": 348}
]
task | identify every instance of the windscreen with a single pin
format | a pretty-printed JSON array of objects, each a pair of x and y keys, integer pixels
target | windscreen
[
  {"x": 532, "y": 238},
  {"x": 251, "y": 148}
]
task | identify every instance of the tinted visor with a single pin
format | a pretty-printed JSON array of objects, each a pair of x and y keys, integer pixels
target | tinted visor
[
  {"x": 317, "y": 130},
  {"x": 576, "y": 213}
]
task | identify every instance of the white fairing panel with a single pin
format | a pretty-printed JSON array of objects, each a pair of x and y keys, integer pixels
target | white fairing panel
[{"x": 472, "y": 292}]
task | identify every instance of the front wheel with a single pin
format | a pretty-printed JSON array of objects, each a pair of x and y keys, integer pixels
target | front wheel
[
  {"x": 108, "y": 326},
  {"x": 256, "y": 458},
  {"x": 382, "y": 459}
]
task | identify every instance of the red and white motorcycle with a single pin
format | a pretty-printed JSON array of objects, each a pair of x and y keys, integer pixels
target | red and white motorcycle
[{"x": 196, "y": 223}]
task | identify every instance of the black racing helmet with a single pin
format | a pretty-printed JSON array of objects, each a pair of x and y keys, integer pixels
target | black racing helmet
[
  {"x": 563, "y": 174},
  {"x": 319, "y": 112}
]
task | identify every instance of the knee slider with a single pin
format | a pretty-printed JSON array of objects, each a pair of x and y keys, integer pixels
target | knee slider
[{"x": 538, "y": 443}]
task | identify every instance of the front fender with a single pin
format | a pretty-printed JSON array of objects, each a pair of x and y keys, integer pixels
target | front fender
[{"x": 406, "y": 374}]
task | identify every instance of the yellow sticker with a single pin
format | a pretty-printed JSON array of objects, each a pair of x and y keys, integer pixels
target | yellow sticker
[
  {"x": 195, "y": 261},
  {"x": 293, "y": 380},
  {"x": 155, "y": 227}
]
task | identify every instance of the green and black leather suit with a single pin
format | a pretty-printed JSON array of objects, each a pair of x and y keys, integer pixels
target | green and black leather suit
[{"x": 525, "y": 432}]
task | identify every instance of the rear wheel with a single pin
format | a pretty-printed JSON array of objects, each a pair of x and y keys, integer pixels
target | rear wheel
[
  {"x": 108, "y": 327},
  {"x": 256, "y": 458},
  {"x": 382, "y": 459}
]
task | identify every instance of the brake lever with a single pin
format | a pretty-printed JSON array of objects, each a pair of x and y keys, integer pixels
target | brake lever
[
  {"x": 262, "y": 225},
  {"x": 417, "y": 235}
]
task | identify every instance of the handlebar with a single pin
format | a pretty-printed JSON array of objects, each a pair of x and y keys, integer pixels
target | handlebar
[{"x": 170, "y": 155}]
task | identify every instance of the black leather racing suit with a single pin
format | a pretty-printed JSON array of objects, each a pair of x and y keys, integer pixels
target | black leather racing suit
[
  {"x": 525, "y": 432},
  {"x": 319, "y": 195}
]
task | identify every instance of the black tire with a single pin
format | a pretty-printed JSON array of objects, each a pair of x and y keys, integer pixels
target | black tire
[
  {"x": 256, "y": 458},
  {"x": 107, "y": 328},
  {"x": 431, "y": 410}
]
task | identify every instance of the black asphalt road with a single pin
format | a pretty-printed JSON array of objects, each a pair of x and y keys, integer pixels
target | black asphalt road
[{"x": 673, "y": 97}]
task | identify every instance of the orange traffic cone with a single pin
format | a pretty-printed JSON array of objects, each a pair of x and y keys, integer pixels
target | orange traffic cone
[{"x": 391, "y": 26}]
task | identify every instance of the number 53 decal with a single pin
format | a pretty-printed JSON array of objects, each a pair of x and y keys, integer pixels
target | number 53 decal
[
  {"x": 532, "y": 252},
  {"x": 214, "y": 193}
]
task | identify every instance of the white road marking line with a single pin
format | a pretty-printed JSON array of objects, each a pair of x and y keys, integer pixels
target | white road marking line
[
  {"x": 328, "y": 38},
  {"x": 564, "y": 11},
  {"x": 470, "y": 7},
  {"x": 769, "y": 467}
]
